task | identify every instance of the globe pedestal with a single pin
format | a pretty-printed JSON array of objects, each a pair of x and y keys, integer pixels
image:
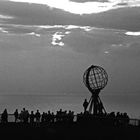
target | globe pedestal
[{"x": 96, "y": 106}]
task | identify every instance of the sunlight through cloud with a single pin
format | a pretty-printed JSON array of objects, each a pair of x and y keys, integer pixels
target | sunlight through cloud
[
  {"x": 56, "y": 39},
  {"x": 6, "y": 17},
  {"x": 85, "y": 7},
  {"x": 133, "y": 33},
  {"x": 33, "y": 33}
]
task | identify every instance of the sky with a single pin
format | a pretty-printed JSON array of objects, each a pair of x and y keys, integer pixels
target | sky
[{"x": 46, "y": 45}]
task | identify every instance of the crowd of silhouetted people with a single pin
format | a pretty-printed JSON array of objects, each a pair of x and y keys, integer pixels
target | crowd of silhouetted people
[
  {"x": 116, "y": 119},
  {"x": 37, "y": 117},
  {"x": 24, "y": 116}
]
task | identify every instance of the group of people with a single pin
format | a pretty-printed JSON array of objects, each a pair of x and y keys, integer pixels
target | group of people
[
  {"x": 66, "y": 116},
  {"x": 23, "y": 116},
  {"x": 37, "y": 117}
]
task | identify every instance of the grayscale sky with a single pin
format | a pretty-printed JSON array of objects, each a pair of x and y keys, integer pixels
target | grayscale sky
[{"x": 45, "y": 47}]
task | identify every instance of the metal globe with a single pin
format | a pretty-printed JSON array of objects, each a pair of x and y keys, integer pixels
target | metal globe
[{"x": 95, "y": 78}]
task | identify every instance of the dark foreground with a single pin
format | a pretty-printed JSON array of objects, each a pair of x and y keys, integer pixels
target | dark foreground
[{"x": 60, "y": 131}]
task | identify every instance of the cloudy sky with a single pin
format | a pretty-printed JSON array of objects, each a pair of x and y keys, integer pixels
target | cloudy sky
[{"x": 46, "y": 45}]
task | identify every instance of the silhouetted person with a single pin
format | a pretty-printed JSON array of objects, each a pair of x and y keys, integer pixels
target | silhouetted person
[
  {"x": 21, "y": 116},
  {"x": 25, "y": 115},
  {"x": 125, "y": 119},
  {"x": 52, "y": 117},
  {"x": 16, "y": 115},
  {"x": 85, "y": 105},
  {"x": 32, "y": 117},
  {"x": 37, "y": 116},
  {"x": 70, "y": 116},
  {"x": 4, "y": 116},
  {"x": 43, "y": 117},
  {"x": 49, "y": 116}
]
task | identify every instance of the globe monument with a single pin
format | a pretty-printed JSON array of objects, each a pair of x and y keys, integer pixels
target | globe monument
[{"x": 95, "y": 79}]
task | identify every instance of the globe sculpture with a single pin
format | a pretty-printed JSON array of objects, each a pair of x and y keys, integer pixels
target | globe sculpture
[{"x": 95, "y": 79}]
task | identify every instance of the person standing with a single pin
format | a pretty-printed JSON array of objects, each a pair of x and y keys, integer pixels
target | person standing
[
  {"x": 37, "y": 116},
  {"x": 85, "y": 105},
  {"x": 16, "y": 115},
  {"x": 32, "y": 116},
  {"x": 4, "y": 116}
]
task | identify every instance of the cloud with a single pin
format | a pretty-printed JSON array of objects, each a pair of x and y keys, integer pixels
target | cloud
[
  {"x": 40, "y": 29},
  {"x": 122, "y": 4},
  {"x": 75, "y": 7},
  {"x": 56, "y": 39},
  {"x": 76, "y": 31},
  {"x": 84, "y": 6},
  {"x": 102, "y": 42},
  {"x": 94, "y": 42},
  {"x": 133, "y": 33},
  {"x": 81, "y": 39},
  {"x": 32, "y": 14},
  {"x": 128, "y": 51},
  {"x": 81, "y": 1},
  {"x": 5, "y": 17}
]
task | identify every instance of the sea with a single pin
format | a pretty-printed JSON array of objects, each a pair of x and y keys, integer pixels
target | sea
[{"x": 53, "y": 103}]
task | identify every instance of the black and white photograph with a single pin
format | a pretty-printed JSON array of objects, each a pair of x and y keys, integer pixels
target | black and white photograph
[{"x": 70, "y": 69}]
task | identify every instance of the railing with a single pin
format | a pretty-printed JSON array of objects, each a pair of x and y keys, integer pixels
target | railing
[
  {"x": 135, "y": 122},
  {"x": 132, "y": 121}
]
